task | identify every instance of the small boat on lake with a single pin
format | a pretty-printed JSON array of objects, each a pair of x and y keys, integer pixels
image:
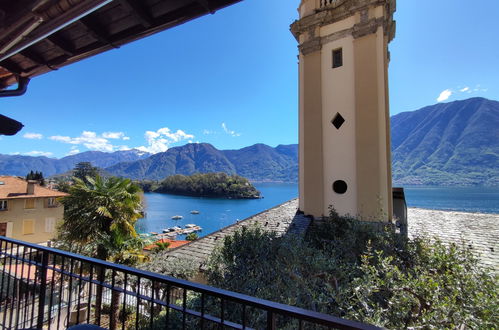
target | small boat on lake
[
  {"x": 190, "y": 225},
  {"x": 194, "y": 212},
  {"x": 177, "y": 217}
]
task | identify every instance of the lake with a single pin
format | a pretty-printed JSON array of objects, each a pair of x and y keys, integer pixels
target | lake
[
  {"x": 466, "y": 199},
  {"x": 216, "y": 213}
]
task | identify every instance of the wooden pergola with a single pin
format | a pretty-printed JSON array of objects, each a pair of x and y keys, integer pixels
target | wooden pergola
[{"x": 38, "y": 36}]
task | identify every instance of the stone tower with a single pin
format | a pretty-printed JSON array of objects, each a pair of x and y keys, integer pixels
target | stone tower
[{"x": 344, "y": 114}]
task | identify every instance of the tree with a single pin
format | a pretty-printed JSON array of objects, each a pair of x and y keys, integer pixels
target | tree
[
  {"x": 83, "y": 170},
  {"x": 192, "y": 237},
  {"x": 359, "y": 271},
  {"x": 99, "y": 219},
  {"x": 38, "y": 176},
  {"x": 161, "y": 246}
]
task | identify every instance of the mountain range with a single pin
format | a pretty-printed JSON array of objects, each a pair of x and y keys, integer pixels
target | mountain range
[
  {"x": 454, "y": 143},
  {"x": 21, "y": 165},
  {"x": 258, "y": 162}
]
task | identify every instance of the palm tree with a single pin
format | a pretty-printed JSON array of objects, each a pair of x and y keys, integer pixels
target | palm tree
[
  {"x": 101, "y": 213},
  {"x": 99, "y": 218}
]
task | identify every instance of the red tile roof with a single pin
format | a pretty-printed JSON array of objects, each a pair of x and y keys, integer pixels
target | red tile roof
[
  {"x": 173, "y": 243},
  {"x": 13, "y": 187}
]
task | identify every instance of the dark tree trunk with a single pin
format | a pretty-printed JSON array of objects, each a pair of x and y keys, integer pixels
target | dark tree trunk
[
  {"x": 101, "y": 276},
  {"x": 115, "y": 310}
]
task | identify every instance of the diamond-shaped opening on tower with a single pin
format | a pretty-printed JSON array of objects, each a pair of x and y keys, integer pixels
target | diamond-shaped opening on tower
[{"x": 338, "y": 120}]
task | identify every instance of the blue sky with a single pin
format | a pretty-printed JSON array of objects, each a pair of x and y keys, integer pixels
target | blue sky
[{"x": 231, "y": 79}]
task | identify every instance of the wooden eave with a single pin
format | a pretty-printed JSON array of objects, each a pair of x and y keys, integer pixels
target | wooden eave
[{"x": 79, "y": 30}]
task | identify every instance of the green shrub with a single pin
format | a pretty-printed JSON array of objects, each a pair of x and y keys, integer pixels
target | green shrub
[{"x": 361, "y": 271}]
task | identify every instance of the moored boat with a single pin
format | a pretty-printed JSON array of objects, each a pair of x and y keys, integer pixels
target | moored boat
[{"x": 177, "y": 217}]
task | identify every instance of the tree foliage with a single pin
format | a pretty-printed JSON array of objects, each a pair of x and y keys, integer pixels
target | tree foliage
[
  {"x": 360, "y": 271},
  {"x": 100, "y": 215},
  {"x": 84, "y": 170},
  {"x": 191, "y": 237},
  {"x": 38, "y": 176},
  {"x": 209, "y": 185}
]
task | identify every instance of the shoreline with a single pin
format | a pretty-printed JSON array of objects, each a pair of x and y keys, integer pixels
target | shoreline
[{"x": 449, "y": 210}]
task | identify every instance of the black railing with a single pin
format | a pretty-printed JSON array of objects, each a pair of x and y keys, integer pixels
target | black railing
[{"x": 47, "y": 288}]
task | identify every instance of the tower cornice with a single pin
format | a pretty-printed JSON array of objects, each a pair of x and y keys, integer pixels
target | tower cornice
[{"x": 327, "y": 13}]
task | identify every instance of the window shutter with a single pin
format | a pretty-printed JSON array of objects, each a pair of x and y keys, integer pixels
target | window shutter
[
  {"x": 49, "y": 225},
  {"x": 28, "y": 227}
]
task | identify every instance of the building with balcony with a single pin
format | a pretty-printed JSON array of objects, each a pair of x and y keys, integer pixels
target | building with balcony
[
  {"x": 46, "y": 288},
  {"x": 28, "y": 211}
]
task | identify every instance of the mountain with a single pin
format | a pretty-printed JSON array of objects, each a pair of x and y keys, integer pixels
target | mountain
[
  {"x": 453, "y": 143},
  {"x": 257, "y": 163},
  {"x": 260, "y": 162},
  {"x": 188, "y": 159},
  {"x": 21, "y": 165}
]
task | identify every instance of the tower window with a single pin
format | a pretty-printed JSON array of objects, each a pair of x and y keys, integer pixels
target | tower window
[
  {"x": 338, "y": 120},
  {"x": 337, "y": 58},
  {"x": 340, "y": 187}
]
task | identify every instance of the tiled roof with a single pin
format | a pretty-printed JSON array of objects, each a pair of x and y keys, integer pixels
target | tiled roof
[
  {"x": 173, "y": 243},
  {"x": 281, "y": 219},
  {"x": 14, "y": 187}
]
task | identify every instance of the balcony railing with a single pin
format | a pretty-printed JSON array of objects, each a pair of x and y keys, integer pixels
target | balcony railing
[{"x": 47, "y": 288}]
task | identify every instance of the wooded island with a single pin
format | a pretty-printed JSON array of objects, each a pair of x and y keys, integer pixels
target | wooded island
[{"x": 205, "y": 185}]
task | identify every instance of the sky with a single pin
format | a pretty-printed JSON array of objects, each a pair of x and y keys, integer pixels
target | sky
[{"x": 231, "y": 79}]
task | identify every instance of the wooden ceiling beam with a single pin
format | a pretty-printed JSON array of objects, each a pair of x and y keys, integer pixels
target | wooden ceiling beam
[
  {"x": 11, "y": 66},
  {"x": 33, "y": 56},
  {"x": 95, "y": 29},
  {"x": 138, "y": 12},
  {"x": 63, "y": 45},
  {"x": 205, "y": 4}
]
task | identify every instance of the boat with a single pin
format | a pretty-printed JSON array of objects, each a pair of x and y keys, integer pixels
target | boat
[
  {"x": 176, "y": 228},
  {"x": 194, "y": 212},
  {"x": 190, "y": 225},
  {"x": 177, "y": 217},
  {"x": 189, "y": 231}
]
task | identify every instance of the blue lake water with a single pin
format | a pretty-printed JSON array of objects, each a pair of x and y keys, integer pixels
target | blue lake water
[
  {"x": 466, "y": 199},
  {"x": 216, "y": 213}
]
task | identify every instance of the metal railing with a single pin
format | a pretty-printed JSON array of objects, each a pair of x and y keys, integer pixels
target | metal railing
[{"x": 43, "y": 287}]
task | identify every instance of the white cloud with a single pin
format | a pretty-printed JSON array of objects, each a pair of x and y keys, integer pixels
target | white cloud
[
  {"x": 34, "y": 136},
  {"x": 444, "y": 95},
  {"x": 228, "y": 131},
  {"x": 38, "y": 153},
  {"x": 74, "y": 150},
  {"x": 160, "y": 140},
  {"x": 115, "y": 135},
  {"x": 465, "y": 89},
  {"x": 90, "y": 140},
  {"x": 208, "y": 132}
]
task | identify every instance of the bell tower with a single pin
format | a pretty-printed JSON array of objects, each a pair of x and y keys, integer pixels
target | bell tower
[{"x": 344, "y": 149}]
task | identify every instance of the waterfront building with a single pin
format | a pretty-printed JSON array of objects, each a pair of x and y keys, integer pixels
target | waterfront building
[{"x": 28, "y": 211}]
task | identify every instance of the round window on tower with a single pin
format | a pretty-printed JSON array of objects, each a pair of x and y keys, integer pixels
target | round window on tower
[{"x": 340, "y": 187}]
